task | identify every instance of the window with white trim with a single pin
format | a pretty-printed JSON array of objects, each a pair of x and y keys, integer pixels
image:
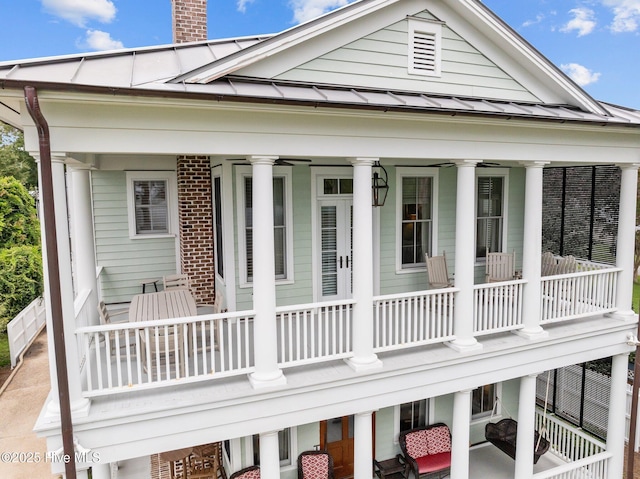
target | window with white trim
[
  {"x": 285, "y": 446},
  {"x": 425, "y": 47},
  {"x": 217, "y": 219},
  {"x": 150, "y": 195},
  {"x": 483, "y": 400},
  {"x": 490, "y": 214},
  {"x": 414, "y": 414},
  {"x": 282, "y": 219},
  {"x": 416, "y": 213}
]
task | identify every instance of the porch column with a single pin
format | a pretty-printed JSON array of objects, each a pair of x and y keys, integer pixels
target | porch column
[
  {"x": 83, "y": 238},
  {"x": 363, "y": 446},
  {"x": 460, "y": 434},
  {"x": 79, "y": 404},
  {"x": 266, "y": 371},
  {"x": 617, "y": 420},
  {"x": 626, "y": 240},
  {"x": 531, "y": 251},
  {"x": 363, "y": 355},
  {"x": 269, "y": 455},
  {"x": 526, "y": 427},
  {"x": 465, "y": 257},
  {"x": 101, "y": 471}
]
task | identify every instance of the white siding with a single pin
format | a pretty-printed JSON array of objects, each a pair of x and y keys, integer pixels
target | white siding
[
  {"x": 380, "y": 60},
  {"x": 124, "y": 261}
]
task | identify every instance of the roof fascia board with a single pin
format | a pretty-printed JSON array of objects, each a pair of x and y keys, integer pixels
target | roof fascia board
[
  {"x": 285, "y": 40},
  {"x": 525, "y": 54}
]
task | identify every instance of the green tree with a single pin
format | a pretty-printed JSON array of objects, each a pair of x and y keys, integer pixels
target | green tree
[
  {"x": 14, "y": 161},
  {"x": 18, "y": 220}
]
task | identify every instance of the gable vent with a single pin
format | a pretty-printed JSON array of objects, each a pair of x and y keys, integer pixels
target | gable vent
[{"x": 424, "y": 48}]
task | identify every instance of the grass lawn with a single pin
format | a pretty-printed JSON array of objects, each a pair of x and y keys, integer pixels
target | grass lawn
[
  {"x": 636, "y": 296},
  {"x": 5, "y": 360}
]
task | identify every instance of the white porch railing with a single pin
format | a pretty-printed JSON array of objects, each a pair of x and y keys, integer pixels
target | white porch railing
[
  {"x": 497, "y": 307},
  {"x": 594, "y": 467},
  {"x": 151, "y": 354},
  {"x": 311, "y": 333},
  {"x": 413, "y": 319},
  {"x": 575, "y": 295}
]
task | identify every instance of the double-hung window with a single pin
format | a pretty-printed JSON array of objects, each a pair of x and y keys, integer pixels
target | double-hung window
[
  {"x": 285, "y": 444},
  {"x": 217, "y": 219},
  {"x": 490, "y": 214},
  {"x": 150, "y": 195},
  {"x": 483, "y": 400},
  {"x": 282, "y": 220},
  {"x": 414, "y": 414},
  {"x": 416, "y": 216}
]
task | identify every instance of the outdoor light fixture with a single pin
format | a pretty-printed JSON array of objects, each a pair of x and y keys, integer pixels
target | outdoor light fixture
[{"x": 379, "y": 185}]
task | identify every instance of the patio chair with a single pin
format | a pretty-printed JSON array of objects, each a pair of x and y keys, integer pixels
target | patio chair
[
  {"x": 214, "y": 308},
  {"x": 315, "y": 465},
  {"x": 437, "y": 271},
  {"x": 500, "y": 267},
  {"x": 106, "y": 317},
  {"x": 176, "y": 281},
  {"x": 251, "y": 472},
  {"x": 549, "y": 264},
  {"x": 567, "y": 264}
]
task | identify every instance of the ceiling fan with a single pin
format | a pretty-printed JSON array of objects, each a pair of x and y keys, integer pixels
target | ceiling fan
[
  {"x": 484, "y": 164},
  {"x": 278, "y": 162}
]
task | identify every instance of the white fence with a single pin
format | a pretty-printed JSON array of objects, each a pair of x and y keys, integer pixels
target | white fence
[
  {"x": 24, "y": 327},
  {"x": 497, "y": 307}
]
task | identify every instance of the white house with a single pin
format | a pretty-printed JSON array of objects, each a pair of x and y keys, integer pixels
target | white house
[{"x": 222, "y": 158}]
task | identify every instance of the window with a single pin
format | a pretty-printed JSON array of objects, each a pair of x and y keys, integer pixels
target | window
[
  {"x": 149, "y": 199},
  {"x": 416, "y": 213},
  {"x": 490, "y": 214},
  {"x": 425, "y": 44},
  {"x": 217, "y": 213},
  {"x": 282, "y": 212},
  {"x": 413, "y": 414},
  {"x": 483, "y": 400},
  {"x": 284, "y": 443}
]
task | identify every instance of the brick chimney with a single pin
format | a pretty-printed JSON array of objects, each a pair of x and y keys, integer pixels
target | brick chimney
[{"x": 189, "y": 20}]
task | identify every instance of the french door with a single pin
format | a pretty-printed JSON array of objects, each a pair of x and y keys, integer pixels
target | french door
[
  {"x": 336, "y": 245},
  {"x": 336, "y": 437}
]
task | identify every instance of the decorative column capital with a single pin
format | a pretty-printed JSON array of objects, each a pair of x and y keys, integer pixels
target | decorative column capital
[
  {"x": 535, "y": 164},
  {"x": 629, "y": 166},
  {"x": 466, "y": 163},
  {"x": 363, "y": 161},
  {"x": 262, "y": 159}
]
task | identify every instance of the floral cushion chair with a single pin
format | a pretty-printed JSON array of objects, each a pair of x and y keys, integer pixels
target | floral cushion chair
[{"x": 315, "y": 465}]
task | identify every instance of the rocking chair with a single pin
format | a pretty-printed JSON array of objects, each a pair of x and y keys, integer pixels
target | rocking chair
[{"x": 437, "y": 271}]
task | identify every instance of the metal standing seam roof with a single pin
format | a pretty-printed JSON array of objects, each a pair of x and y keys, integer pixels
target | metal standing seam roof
[{"x": 150, "y": 70}]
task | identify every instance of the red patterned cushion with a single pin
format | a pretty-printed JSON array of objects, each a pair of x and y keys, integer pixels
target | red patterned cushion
[
  {"x": 434, "y": 462},
  {"x": 315, "y": 466},
  {"x": 417, "y": 443},
  {"x": 438, "y": 440},
  {"x": 254, "y": 474}
]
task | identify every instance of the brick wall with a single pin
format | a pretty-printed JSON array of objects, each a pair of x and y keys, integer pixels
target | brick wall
[
  {"x": 189, "y": 20},
  {"x": 195, "y": 213}
]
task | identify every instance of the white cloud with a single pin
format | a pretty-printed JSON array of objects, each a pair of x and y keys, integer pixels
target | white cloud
[
  {"x": 626, "y": 15},
  {"x": 101, "y": 41},
  {"x": 580, "y": 74},
  {"x": 583, "y": 21},
  {"x": 304, "y": 10},
  {"x": 539, "y": 18},
  {"x": 242, "y": 5},
  {"x": 78, "y": 12}
]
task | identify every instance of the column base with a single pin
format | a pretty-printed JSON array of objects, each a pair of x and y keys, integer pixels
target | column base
[
  {"x": 359, "y": 364},
  {"x": 261, "y": 381},
  {"x": 79, "y": 408},
  {"x": 532, "y": 333},
  {"x": 623, "y": 315},
  {"x": 465, "y": 345}
]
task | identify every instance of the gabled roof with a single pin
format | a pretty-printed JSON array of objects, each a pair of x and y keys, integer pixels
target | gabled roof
[{"x": 212, "y": 70}]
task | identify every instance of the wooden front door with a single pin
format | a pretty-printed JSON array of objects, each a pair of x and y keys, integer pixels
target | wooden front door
[{"x": 336, "y": 437}]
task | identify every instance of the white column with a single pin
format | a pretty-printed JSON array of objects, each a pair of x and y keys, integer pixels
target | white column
[
  {"x": 79, "y": 404},
  {"x": 532, "y": 251},
  {"x": 617, "y": 420},
  {"x": 363, "y": 356},
  {"x": 526, "y": 427},
  {"x": 101, "y": 471},
  {"x": 465, "y": 257},
  {"x": 460, "y": 435},
  {"x": 363, "y": 446},
  {"x": 83, "y": 238},
  {"x": 269, "y": 455},
  {"x": 626, "y": 240},
  {"x": 266, "y": 373}
]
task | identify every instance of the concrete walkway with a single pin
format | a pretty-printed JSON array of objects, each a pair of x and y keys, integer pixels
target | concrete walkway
[{"x": 22, "y": 453}]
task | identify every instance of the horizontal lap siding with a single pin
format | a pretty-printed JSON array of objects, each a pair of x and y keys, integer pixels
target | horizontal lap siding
[
  {"x": 380, "y": 60},
  {"x": 124, "y": 261}
]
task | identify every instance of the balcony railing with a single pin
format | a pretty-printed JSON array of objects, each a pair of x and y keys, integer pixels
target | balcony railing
[{"x": 143, "y": 355}]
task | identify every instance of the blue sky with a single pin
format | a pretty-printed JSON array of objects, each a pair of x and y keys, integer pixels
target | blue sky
[{"x": 597, "y": 42}]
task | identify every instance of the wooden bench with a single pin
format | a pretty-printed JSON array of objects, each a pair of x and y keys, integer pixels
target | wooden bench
[{"x": 427, "y": 450}]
